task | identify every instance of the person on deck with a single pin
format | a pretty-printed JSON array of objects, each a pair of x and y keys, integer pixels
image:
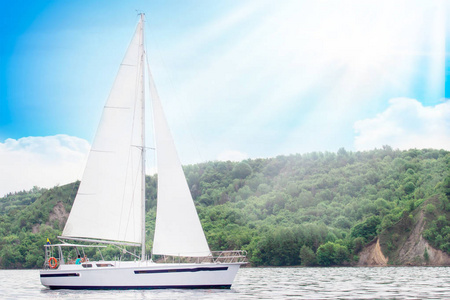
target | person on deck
[{"x": 78, "y": 261}]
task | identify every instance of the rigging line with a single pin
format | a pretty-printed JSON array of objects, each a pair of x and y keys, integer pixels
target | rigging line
[
  {"x": 134, "y": 181},
  {"x": 143, "y": 231},
  {"x": 152, "y": 125},
  {"x": 124, "y": 249},
  {"x": 155, "y": 164},
  {"x": 140, "y": 147},
  {"x": 129, "y": 160},
  {"x": 137, "y": 172}
]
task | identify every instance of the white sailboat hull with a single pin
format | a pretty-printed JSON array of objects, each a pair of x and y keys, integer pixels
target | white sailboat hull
[{"x": 140, "y": 275}]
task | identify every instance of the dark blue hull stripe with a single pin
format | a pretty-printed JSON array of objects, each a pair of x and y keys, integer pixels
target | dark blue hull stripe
[
  {"x": 61, "y": 275},
  {"x": 223, "y": 286},
  {"x": 181, "y": 270}
]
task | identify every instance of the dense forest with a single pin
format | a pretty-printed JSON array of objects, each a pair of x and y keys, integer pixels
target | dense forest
[{"x": 310, "y": 209}]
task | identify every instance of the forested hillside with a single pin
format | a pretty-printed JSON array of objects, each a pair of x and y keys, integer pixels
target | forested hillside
[{"x": 311, "y": 209}]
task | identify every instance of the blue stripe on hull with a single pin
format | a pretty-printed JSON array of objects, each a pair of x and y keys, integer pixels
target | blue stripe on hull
[
  {"x": 181, "y": 270},
  {"x": 225, "y": 286},
  {"x": 61, "y": 275}
]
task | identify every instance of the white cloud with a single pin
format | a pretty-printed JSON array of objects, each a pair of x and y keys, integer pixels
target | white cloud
[
  {"x": 232, "y": 155},
  {"x": 41, "y": 161},
  {"x": 406, "y": 124}
]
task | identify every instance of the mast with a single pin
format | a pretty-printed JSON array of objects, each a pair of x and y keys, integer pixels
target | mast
[{"x": 143, "y": 139}]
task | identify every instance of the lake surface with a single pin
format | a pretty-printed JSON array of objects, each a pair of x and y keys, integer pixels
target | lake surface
[{"x": 267, "y": 283}]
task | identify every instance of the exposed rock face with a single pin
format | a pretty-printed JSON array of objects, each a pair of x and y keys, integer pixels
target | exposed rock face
[
  {"x": 35, "y": 228},
  {"x": 371, "y": 255},
  {"x": 59, "y": 214},
  {"x": 413, "y": 250}
]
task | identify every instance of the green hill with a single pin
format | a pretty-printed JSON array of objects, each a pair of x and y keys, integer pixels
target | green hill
[{"x": 312, "y": 209}]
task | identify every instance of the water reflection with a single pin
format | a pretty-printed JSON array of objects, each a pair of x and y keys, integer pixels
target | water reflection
[
  {"x": 268, "y": 283},
  {"x": 349, "y": 283}
]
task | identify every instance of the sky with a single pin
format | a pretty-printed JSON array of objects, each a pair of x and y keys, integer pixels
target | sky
[{"x": 238, "y": 79}]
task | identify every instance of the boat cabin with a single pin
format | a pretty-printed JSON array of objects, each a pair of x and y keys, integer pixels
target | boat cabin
[{"x": 58, "y": 255}]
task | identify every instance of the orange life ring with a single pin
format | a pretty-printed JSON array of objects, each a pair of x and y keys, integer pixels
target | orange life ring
[{"x": 52, "y": 262}]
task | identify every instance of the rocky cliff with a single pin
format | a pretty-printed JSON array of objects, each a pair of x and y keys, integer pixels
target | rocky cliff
[
  {"x": 410, "y": 249},
  {"x": 372, "y": 255}
]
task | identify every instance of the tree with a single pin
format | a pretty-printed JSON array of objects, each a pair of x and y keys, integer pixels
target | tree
[
  {"x": 446, "y": 186},
  {"x": 341, "y": 254},
  {"x": 426, "y": 256},
  {"x": 332, "y": 254},
  {"x": 263, "y": 188},
  {"x": 366, "y": 229},
  {"x": 409, "y": 187},
  {"x": 342, "y": 222},
  {"x": 242, "y": 170},
  {"x": 430, "y": 208},
  {"x": 358, "y": 244},
  {"x": 325, "y": 254},
  {"x": 307, "y": 256}
]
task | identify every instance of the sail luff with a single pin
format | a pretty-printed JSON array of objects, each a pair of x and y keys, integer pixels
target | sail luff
[{"x": 143, "y": 139}]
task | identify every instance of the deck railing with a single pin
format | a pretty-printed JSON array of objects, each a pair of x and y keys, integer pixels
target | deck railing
[
  {"x": 227, "y": 256},
  {"x": 230, "y": 256}
]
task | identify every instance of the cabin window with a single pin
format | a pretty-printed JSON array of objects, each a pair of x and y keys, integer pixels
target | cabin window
[
  {"x": 104, "y": 265},
  {"x": 87, "y": 265}
]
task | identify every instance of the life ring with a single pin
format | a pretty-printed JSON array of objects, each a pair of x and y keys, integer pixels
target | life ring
[{"x": 52, "y": 262}]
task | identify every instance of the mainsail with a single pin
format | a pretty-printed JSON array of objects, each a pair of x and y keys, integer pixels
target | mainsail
[{"x": 108, "y": 203}]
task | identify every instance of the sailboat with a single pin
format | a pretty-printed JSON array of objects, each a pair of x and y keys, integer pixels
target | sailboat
[{"x": 109, "y": 207}]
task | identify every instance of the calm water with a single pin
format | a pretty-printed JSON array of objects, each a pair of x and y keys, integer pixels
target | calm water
[{"x": 268, "y": 283}]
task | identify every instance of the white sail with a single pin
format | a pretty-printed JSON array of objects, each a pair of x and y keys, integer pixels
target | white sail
[
  {"x": 178, "y": 230},
  {"x": 108, "y": 203}
]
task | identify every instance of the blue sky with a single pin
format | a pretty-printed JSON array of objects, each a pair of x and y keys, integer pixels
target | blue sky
[{"x": 238, "y": 79}]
